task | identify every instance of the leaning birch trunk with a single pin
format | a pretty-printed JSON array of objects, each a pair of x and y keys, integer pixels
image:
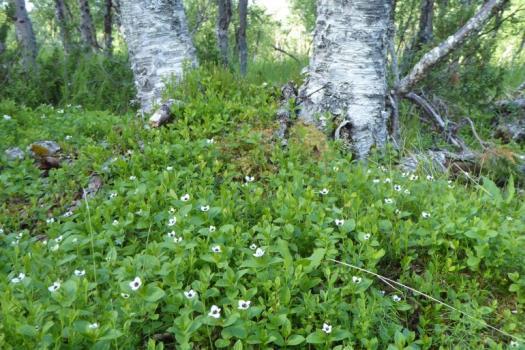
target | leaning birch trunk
[
  {"x": 87, "y": 29},
  {"x": 25, "y": 34},
  {"x": 159, "y": 45},
  {"x": 223, "y": 24},
  {"x": 347, "y": 73},
  {"x": 451, "y": 43},
  {"x": 241, "y": 36},
  {"x": 60, "y": 14}
]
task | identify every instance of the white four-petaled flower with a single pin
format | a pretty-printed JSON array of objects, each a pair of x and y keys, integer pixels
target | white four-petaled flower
[
  {"x": 212, "y": 228},
  {"x": 132, "y": 178},
  {"x": 413, "y": 177},
  {"x": 356, "y": 279},
  {"x": 397, "y": 188},
  {"x": 21, "y": 276},
  {"x": 367, "y": 236},
  {"x": 430, "y": 178},
  {"x": 80, "y": 273},
  {"x": 54, "y": 287},
  {"x": 210, "y": 141},
  {"x": 169, "y": 168},
  {"x": 387, "y": 180},
  {"x": 425, "y": 215},
  {"x": 249, "y": 178},
  {"x": 327, "y": 328},
  {"x": 172, "y": 234},
  {"x": 396, "y": 298},
  {"x": 50, "y": 221},
  {"x": 339, "y": 222},
  {"x": 205, "y": 208},
  {"x": 253, "y": 246},
  {"x": 216, "y": 249},
  {"x": 135, "y": 284},
  {"x": 185, "y": 198},
  {"x": 115, "y": 222},
  {"x": 93, "y": 325},
  {"x": 514, "y": 344},
  {"x": 124, "y": 295},
  {"x": 113, "y": 195},
  {"x": 190, "y": 294},
  {"x": 215, "y": 311},
  {"x": 172, "y": 221},
  {"x": 324, "y": 191},
  {"x": 389, "y": 200},
  {"x": 244, "y": 304},
  {"x": 376, "y": 181},
  {"x": 258, "y": 253}
]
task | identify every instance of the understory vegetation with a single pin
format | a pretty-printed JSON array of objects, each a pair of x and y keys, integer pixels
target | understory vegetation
[{"x": 209, "y": 234}]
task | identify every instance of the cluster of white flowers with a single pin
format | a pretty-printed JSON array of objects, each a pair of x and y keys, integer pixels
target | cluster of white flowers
[
  {"x": 430, "y": 178},
  {"x": 514, "y": 344},
  {"x": 68, "y": 214}
]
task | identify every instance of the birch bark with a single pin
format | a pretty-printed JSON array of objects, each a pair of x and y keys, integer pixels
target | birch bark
[
  {"x": 159, "y": 45},
  {"x": 223, "y": 24},
  {"x": 347, "y": 73},
  {"x": 25, "y": 34}
]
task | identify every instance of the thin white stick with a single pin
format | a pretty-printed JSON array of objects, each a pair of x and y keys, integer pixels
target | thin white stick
[{"x": 383, "y": 278}]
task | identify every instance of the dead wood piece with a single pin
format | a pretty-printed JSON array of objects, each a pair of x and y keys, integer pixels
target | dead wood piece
[
  {"x": 286, "y": 108},
  {"x": 163, "y": 115}
]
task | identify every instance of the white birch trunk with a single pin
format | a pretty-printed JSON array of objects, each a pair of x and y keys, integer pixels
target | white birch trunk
[
  {"x": 347, "y": 72},
  {"x": 159, "y": 45},
  {"x": 25, "y": 34}
]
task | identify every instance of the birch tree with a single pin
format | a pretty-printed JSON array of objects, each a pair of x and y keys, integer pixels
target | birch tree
[
  {"x": 108, "y": 27},
  {"x": 223, "y": 24},
  {"x": 159, "y": 45},
  {"x": 241, "y": 36},
  {"x": 25, "y": 34},
  {"x": 347, "y": 73},
  {"x": 87, "y": 29},
  {"x": 60, "y": 14}
]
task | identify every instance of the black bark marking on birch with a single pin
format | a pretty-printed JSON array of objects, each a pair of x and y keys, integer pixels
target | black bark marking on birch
[
  {"x": 223, "y": 25},
  {"x": 241, "y": 36}
]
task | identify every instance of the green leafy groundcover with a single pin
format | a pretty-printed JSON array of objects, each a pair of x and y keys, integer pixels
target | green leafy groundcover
[{"x": 207, "y": 234}]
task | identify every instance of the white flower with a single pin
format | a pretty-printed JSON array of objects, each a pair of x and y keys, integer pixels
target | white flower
[
  {"x": 7, "y": 117},
  {"x": 396, "y": 298},
  {"x": 389, "y": 200},
  {"x": 172, "y": 221},
  {"x": 509, "y": 218},
  {"x": 169, "y": 168},
  {"x": 190, "y": 294},
  {"x": 1, "y": 231},
  {"x": 185, "y": 198},
  {"x": 68, "y": 214},
  {"x": 216, "y": 249},
  {"x": 397, "y": 188},
  {"x": 253, "y": 246},
  {"x": 244, "y": 304},
  {"x": 68, "y": 137},
  {"x": 171, "y": 210},
  {"x": 425, "y": 215},
  {"x": 113, "y": 195},
  {"x": 50, "y": 221},
  {"x": 382, "y": 292},
  {"x": 340, "y": 222},
  {"x": 20, "y": 278},
  {"x": 80, "y": 273},
  {"x": 367, "y": 236},
  {"x": 376, "y": 181},
  {"x": 135, "y": 284},
  {"x": 20, "y": 235},
  {"x": 356, "y": 279},
  {"x": 54, "y": 248},
  {"x": 210, "y": 141},
  {"x": 405, "y": 174},
  {"x": 258, "y": 253},
  {"x": 172, "y": 234},
  {"x": 205, "y": 208},
  {"x": 215, "y": 312},
  {"x": 324, "y": 191},
  {"x": 177, "y": 239},
  {"x": 212, "y": 228},
  {"x": 93, "y": 325},
  {"x": 124, "y": 295},
  {"x": 249, "y": 178},
  {"x": 335, "y": 168},
  {"x": 59, "y": 239},
  {"x": 115, "y": 222},
  {"x": 132, "y": 178},
  {"x": 514, "y": 344},
  {"x": 407, "y": 191},
  {"x": 54, "y": 287},
  {"x": 413, "y": 177},
  {"x": 327, "y": 328},
  {"x": 387, "y": 180},
  {"x": 430, "y": 178}
]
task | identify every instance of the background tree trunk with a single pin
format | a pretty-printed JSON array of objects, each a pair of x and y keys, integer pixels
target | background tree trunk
[
  {"x": 241, "y": 36},
  {"x": 108, "y": 27},
  {"x": 25, "y": 34},
  {"x": 159, "y": 44},
  {"x": 223, "y": 24},
  {"x": 60, "y": 14},
  {"x": 347, "y": 72},
  {"x": 87, "y": 29},
  {"x": 425, "y": 33}
]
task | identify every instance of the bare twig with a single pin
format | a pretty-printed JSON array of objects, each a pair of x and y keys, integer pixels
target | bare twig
[
  {"x": 475, "y": 133},
  {"x": 276, "y": 48},
  {"x": 304, "y": 98}
]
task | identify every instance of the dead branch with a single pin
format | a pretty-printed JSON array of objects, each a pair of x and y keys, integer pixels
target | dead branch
[
  {"x": 475, "y": 133},
  {"x": 451, "y": 43},
  {"x": 276, "y": 48},
  {"x": 286, "y": 108}
]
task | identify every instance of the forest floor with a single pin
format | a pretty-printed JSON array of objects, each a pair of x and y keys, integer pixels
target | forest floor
[{"x": 212, "y": 211}]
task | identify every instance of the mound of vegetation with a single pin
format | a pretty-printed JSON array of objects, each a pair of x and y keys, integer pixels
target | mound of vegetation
[{"x": 209, "y": 234}]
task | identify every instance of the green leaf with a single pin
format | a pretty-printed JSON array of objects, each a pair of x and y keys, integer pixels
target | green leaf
[
  {"x": 295, "y": 340},
  {"x": 315, "y": 259},
  {"x": 316, "y": 338},
  {"x": 511, "y": 190},
  {"x": 238, "y": 331},
  {"x": 154, "y": 293},
  {"x": 111, "y": 334},
  {"x": 27, "y": 330},
  {"x": 493, "y": 190}
]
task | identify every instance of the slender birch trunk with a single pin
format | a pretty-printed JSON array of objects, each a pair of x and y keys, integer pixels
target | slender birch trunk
[
  {"x": 426, "y": 31},
  {"x": 347, "y": 73},
  {"x": 159, "y": 45},
  {"x": 60, "y": 14},
  {"x": 25, "y": 34},
  {"x": 223, "y": 24},
  {"x": 108, "y": 27},
  {"x": 241, "y": 36},
  {"x": 87, "y": 29}
]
